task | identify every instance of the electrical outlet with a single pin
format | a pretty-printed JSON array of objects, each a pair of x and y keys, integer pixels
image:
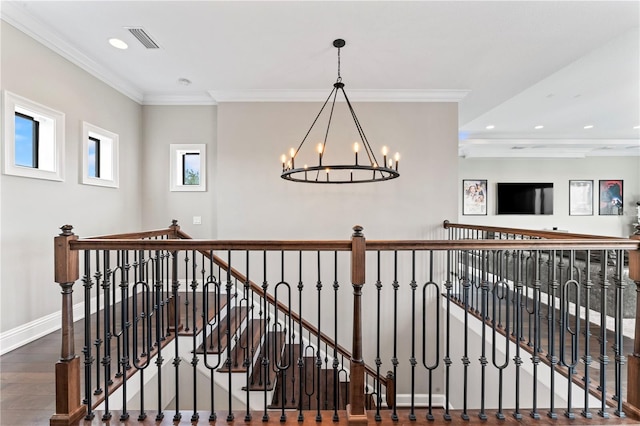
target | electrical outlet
[{"x": 197, "y": 220}]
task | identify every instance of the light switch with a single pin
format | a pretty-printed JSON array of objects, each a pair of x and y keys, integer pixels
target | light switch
[{"x": 197, "y": 220}]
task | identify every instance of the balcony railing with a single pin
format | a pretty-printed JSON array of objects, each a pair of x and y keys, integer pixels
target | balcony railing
[{"x": 491, "y": 321}]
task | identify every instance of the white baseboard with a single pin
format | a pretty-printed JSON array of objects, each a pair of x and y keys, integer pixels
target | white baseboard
[{"x": 33, "y": 330}]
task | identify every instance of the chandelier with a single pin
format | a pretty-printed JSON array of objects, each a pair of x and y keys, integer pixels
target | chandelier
[{"x": 365, "y": 169}]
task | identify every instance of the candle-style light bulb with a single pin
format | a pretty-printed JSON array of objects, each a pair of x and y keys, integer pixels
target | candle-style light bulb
[
  {"x": 390, "y": 164},
  {"x": 385, "y": 151},
  {"x": 320, "y": 154},
  {"x": 327, "y": 174},
  {"x": 397, "y": 157},
  {"x": 292, "y": 152},
  {"x": 284, "y": 160},
  {"x": 305, "y": 172},
  {"x": 356, "y": 147}
]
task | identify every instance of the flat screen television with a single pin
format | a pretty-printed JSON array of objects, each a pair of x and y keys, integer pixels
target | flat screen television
[{"x": 525, "y": 198}]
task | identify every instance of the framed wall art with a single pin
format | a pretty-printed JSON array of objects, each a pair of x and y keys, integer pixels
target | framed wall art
[
  {"x": 611, "y": 200},
  {"x": 474, "y": 197},
  {"x": 580, "y": 197}
]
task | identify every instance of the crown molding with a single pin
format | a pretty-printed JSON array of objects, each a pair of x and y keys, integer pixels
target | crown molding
[
  {"x": 16, "y": 15},
  {"x": 354, "y": 95},
  {"x": 185, "y": 99}
]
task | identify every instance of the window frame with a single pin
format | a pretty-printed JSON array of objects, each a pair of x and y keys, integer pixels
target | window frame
[
  {"x": 13, "y": 104},
  {"x": 176, "y": 167},
  {"x": 107, "y": 158}
]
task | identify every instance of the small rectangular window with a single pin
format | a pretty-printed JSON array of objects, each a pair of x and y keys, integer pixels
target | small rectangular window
[
  {"x": 94, "y": 157},
  {"x": 99, "y": 156},
  {"x": 188, "y": 167},
  {"x": 33, "y": 139},
  {"x": 26, "y": 140},
  {"x": 191, "y": 168}
]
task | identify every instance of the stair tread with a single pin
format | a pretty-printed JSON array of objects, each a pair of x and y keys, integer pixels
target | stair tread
[
  {"x": 236, "y": 317},
  {"x": 310, "y": 400},
  {"x": 257, "y": 378},
  {"x": 253, "y": 331}
]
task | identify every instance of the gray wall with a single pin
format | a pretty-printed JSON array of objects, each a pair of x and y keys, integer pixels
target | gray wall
[
  {"x": 162, "y": 126},
  {"x": 559, "y": 171},
  {"x": 255, "y": 203},
  {"x": 32, "y": 210}
]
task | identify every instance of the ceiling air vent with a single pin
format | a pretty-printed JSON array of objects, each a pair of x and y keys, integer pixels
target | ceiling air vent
[{"x": 143, "y": 37}]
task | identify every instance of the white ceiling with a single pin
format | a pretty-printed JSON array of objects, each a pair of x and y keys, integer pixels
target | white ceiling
[{"x": 513, "y": 65}]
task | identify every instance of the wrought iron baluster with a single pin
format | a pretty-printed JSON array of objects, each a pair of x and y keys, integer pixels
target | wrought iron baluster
[
  {"x": 86, "y": 350},
  {"x": 571, "y": 359},
  {"x": 619, "y": 336},
  {"x": 430, "y": 366},
  {"x": 194, "y": 345},
  {"x": 282, "y": 360},
  {"x": 500, "y": 297},
  {"x": 518, "y": 307},
  {"x": 228, "y": 287},
  {"x": 208, "y": 327},
  {"x": 447, "y": 342},
  {"x": 98, "y": 341},
  {"x": 394, "y": 360},
  {"x": 301, "y": 348},
  {"x": 412, "y": 359},
  {"x": 247, "y": 347},
  {"x": 603, "y": 358},
  {"x": 586, "y": 358},
  {"x": 125, "y": 324},
  {"x": 535, "y": 313},
  {"x": 265, "y": 358},
  {"x": 318, "y": 357},
  {"x": 551, "y": 322},
  {"x": 142, "y": 324},
  {"x": 484, "y": 285},
  {"x": 378, "y": 315},
  {"x": 466, "y": 284},
  {"x": 336, "y": 383},
  {"x": 106, "y": 312}
]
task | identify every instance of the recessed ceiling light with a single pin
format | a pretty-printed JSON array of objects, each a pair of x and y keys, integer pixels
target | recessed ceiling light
[
  {"x": 590, "y": 126},
  {"x": 636, "y": 127},
  {"x": 539, "y": 126},
  {"x": 118, "y": 44},
  {"x": 184, "y": 81},
  {"x": 490, "y": 126}
]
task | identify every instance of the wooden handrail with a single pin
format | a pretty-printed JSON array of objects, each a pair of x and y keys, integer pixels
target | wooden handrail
[
  {"x": 338, "y": 245},
  {"x": 186, "y": 244},
  {"x": 528, "y": 232},
  {"x": 135, "y": 235}
]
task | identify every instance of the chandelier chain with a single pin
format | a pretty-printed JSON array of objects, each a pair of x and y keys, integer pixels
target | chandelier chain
[{"x": 339, "y": 76}]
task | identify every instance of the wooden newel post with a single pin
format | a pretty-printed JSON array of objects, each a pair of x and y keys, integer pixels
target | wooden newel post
[
  {"x": 356, "y": 413},
  {"x": 69, "y": 409},
  {"x": 633, "y": 370}
]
